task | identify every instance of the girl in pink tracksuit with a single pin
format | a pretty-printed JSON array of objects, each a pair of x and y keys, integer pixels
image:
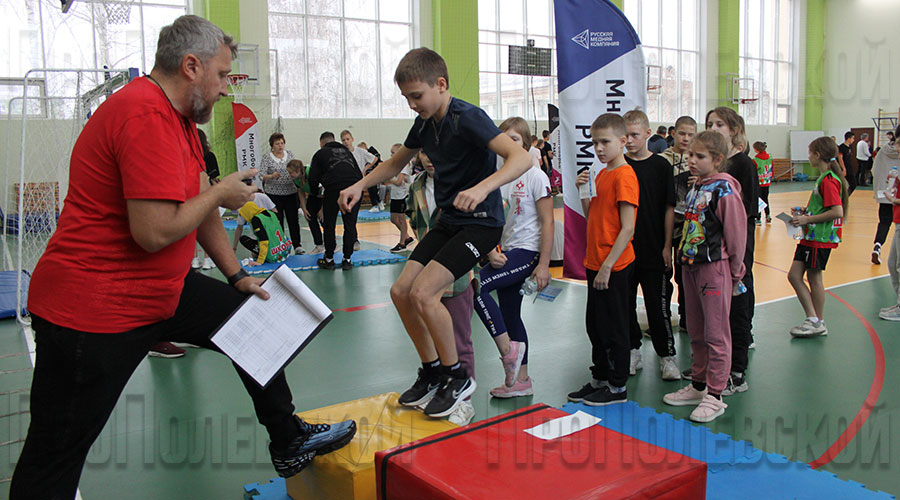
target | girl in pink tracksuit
[{"x": 712, "y": 255}]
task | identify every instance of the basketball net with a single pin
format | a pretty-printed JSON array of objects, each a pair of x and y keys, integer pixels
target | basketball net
[
  {"x": 237, "y": 82},
  {"x": 118, "y": 13}
]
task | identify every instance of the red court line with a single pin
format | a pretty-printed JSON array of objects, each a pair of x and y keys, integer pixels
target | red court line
[
  {"x": 874, "y": 391},
  {"x": 758, "y": 263},
  {"x": 871, "y": 399},
  {"x": 363, "y": 308}
]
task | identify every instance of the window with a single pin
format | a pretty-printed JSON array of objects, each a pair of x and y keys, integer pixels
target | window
[
  {"x": 337, "y": 58},
  {"x": 92, "y": 34},
  {"x": 767, "y": 62},
  {"x": 669, "y": 32},
  {"x": 502, "y": 23}
]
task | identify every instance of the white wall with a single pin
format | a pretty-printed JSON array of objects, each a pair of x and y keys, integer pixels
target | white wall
[{"x": 862, "y": 62}]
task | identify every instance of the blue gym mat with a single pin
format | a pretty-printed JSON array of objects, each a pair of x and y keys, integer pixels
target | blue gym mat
[
  {"x": 230, "y": 225},
  {"x": 736, "y": 469},
  {"x": 8, "y": 293},
  {"x": 308, "y": 261},
  {"x": 366, "y": 216},
  {"x": 275, "y": 489}
]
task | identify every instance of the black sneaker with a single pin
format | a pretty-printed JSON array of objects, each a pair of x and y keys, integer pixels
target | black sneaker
[
  {"x": 578, "y": 395},
  {"x": 736, "y": 383},
  {"x": 324, "y": 263},
  {"x": 450, "y": 395},
  {"x": 346, "y": 265},
  {"x": 398, "y": 248},
  {"x": 422, "y": 390},
  {"x": 315, "y": 439},
  {"x": 605, "y": 396},
  {"x": 408, "y": 241},
  {"x": 687, "y": 374}
]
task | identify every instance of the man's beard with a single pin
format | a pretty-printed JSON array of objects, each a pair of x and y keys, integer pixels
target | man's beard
[{"x": 201, "y": 111}]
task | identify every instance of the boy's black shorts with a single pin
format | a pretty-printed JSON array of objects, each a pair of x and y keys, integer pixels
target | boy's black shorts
[
  {"x": 398, "y": 206},
  {"x": 456, "y": 247},
  {"x": 812, "y": 258}
]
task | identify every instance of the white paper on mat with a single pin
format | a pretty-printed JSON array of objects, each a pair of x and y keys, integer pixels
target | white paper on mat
[
  {"x": 262, "y": 335},
  {"x": 563, "y": 426}
]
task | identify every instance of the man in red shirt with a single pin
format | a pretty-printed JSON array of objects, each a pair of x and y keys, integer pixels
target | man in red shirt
[{"x": 115, "y": 278}]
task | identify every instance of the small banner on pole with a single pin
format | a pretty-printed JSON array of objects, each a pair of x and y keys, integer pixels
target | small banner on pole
[{"x": 246, "y": 138}]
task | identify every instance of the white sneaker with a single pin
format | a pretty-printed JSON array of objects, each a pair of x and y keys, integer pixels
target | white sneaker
[
  {"x": 208, "y": 263},
  {"x": 636, "y": 363},
  {"x": 889, "y": 308},
  {"x": 356, "y": 246},
  {"x": 374, "y": 209},
  {"x": 195, "y": 264},
  {"x": 708, "y": 409},
  {"x": 669, "y": 368},
  {"x": 463, "y": 414},
  {"x": 890, "y": 314},
  {"x": 809, "y": 329},
  {"x": 686, "y": 396},
  {"x": 876, "y": 254},
  {"x": 319, "y": 249}
]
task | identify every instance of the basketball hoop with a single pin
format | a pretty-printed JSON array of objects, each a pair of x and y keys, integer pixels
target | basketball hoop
[
  {"x": 237, "y": 81},
  {"x": 748, "y": 100},
  {"x": 118, "y": 12},
  {"x": 653, "y": 89}
]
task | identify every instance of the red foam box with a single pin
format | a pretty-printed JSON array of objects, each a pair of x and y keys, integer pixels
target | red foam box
[{"x": 496, "y": 458}]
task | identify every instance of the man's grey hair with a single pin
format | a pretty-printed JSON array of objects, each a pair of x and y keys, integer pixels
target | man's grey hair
[
  {"x": 190, "y": 35},
  {"x": 865, "y": 136}
]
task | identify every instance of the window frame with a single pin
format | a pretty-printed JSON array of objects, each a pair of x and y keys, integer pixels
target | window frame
[{"x": 304, "y": 17}]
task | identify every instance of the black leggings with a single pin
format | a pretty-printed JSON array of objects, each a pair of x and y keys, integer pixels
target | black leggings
[
  {"x": 313, "y": 206},
  {"x": 78, "y": 377},
  {"x": 885, "y": 219},
  {"x": 764, "y": 196},
  {"x": 288, "y": 205}
]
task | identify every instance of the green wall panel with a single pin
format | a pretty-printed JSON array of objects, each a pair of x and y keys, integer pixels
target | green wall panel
[{"x": 456, "y": 40}]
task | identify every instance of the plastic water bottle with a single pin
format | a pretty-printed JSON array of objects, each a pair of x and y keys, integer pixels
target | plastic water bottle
[
  {"x": 892, "y": 175},
  {"x": 798, "y": 230},
  {"x": 528, "y": 287},
  {"x": 739, "y": 288}
]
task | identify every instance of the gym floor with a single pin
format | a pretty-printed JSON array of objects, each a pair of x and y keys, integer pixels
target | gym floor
[{"x": 185, "y": 428}]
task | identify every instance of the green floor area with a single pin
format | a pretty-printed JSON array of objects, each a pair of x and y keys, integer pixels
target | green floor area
[{"x": 185, "y": 429}]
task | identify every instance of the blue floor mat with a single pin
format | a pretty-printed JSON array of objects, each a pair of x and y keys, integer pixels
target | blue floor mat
[
  {"x": 308, "y": 262},
  {"x": 366, "y": 216},
  {"x": 8, "y": 293},
  {"x": 230, "y": 225},
  {"x": 737, "y": 470},
  {"x": 275, "y": 489}
]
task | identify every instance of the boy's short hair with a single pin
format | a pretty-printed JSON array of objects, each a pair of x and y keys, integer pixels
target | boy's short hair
[
  {"x": 683, "y": 121},
  {"x": 346, "y": 132},
  {"x": 636, "y": 117},
  {"x": 519, "y": 126},
  {"x": 274, "y": 137},
  {"x": 295, "y": 164},
  {"x": 848, "y": 135},
  {"x": 545, "y": 134},
  {"x": 715, "y": 143},
  {"x": 326, "y": 136},
  {"x": 422, "y": 64},
  {"x": 611, "y": 121},
  {"x": 671, "y": 129},
  {"x": 661, "y": 129}
]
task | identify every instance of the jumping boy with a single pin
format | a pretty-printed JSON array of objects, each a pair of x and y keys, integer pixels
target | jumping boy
[
  {"x": 610, "y": 263},
  {"x": 652, "y": 246},
  {"x": 462, "y": 142}
]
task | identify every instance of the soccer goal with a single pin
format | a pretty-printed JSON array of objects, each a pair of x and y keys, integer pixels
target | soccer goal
[{"x": 42, "y": 123}]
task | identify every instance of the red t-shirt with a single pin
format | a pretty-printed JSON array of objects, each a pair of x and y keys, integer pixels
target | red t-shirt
[
  {"x": 93, "y": 276},
  {"x": 603, "y": 221}
]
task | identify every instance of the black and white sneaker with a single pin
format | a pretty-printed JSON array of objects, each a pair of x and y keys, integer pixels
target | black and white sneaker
[
  {"x": 605, "y": 396},
  {"x": 324, "y": 263},
  {"x": 399, "y": 247},
  {"x": 736, "y": 384},
  {"x": 450, "y": 395},
  {"x": 424, "y": 388},
  {"x": 579, "y": 395},
  {"x": 346, "y": 265},
  {"x": 315, "y": 439}
]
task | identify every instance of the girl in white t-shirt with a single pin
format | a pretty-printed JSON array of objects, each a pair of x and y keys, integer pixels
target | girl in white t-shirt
[
  {"x": 523, "y": 253},
  {"x": 399, "y": 190}
]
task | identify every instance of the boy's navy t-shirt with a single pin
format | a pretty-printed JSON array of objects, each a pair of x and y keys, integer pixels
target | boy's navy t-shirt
[{"x": 458, "y": 148}]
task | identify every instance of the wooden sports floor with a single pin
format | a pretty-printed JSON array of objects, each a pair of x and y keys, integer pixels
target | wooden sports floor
[{"x": 185, "y": 429}]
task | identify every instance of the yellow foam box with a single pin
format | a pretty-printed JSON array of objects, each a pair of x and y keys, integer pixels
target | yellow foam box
[{"x": 349, "y": 473}]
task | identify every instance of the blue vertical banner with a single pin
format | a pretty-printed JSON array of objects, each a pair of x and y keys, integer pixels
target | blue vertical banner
[{"x": 600, "y": 67}]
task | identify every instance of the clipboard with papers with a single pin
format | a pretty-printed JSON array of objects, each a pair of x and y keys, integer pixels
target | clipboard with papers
[{"x": 263, "y": 336}]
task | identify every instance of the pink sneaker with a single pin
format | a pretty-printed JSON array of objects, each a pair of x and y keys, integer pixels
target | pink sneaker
[
  {"x": 686, "y": 396},
  {"x": 513, "y": 361},
  {"x": 708, "y": 409},
  {"x": 519, "y": 388}
]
